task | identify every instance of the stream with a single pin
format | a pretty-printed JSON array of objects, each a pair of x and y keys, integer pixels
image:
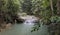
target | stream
[{"x": 25, "y": 29}]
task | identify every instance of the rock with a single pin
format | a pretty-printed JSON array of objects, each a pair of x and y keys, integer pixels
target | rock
[
  {"x": 35, "y": 21},
  {"x": 19, "y": 20},
  {"x": 8, "y": 26}
]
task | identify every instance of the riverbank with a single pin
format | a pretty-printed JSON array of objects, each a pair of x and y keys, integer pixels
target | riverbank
[{"x": 20, "y": 19}]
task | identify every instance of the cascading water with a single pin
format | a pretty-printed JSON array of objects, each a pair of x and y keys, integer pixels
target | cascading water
[{"x": 30, "y": 21}]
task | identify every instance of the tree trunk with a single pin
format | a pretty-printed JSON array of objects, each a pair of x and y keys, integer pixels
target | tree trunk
[
  {"x": 51, "y": 5},
  {"x": 58, "y": 7}
]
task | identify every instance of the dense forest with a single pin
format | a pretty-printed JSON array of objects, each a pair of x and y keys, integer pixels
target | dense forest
[{"x": 48, "y": 11}]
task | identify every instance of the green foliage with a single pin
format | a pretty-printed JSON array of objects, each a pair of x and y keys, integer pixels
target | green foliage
[
  {"x": 36, "y": 27},
  {"x": 45, "y": 3},
  {"x": 26, "y": 6},
  {"x": 12, "y": 6},
  {"x": 9, "y": 8},
  {"x": 55, "y": 19}
]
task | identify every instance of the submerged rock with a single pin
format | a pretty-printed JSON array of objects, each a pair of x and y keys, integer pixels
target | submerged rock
[{"x": 8, "y": 26}]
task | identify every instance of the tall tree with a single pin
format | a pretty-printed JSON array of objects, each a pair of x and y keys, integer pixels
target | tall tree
[
  {"x": 51, "y": 5},
  {"x": 58, "y": 7}
]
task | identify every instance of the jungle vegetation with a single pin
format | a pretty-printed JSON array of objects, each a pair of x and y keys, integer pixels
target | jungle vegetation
[{"x": 47, "y": 10}]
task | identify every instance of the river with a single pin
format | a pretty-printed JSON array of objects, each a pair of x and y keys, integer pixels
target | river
[{"x": 25, "y": 29}]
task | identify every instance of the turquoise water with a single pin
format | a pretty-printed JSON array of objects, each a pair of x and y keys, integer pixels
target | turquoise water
[{"x": 24, "y": 29}]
